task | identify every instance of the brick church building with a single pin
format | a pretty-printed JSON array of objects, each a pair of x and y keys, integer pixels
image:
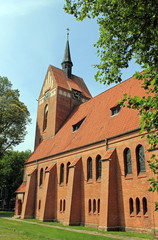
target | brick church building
[{"x": 90, "y": 164}]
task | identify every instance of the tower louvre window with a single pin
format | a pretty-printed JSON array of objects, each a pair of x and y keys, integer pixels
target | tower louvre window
[
  {"x": 76, "y": 126},
  {"x": 45, "y": 117},
  {"x": 46, "y": 96}
]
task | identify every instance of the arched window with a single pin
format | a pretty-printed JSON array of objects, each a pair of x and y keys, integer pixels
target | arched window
[
  {"x": 98, "y": 167},
  {"x": 145, "y": 207},
  {"x": 61, "y": 173},
  {"x": 60, "y": 205},
  {"x": 41, "y": 177},
  {"x": 127, "y": 161},
  {"x": 98, "y": 205},
  {"x": 45, "y": 120},
  {"x": 64, "y": 205},
  {"x": 89, "y": 168},
  {"x": 39, "y": 204},
  {"x": 67, "y": 172},
  {"x": 140, "y": 159},
  {"x": 94, "y": 205},
  {"x": 137, "y": 206},
  {"x": 131, "y": 208},
  {"x": 89, "y": 206}
]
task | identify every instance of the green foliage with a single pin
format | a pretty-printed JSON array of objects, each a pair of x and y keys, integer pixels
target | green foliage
[
  {"x": 14, "y": 116},
  {"x": 12, "y": 166},
  {"x": 128, "y": 29}
]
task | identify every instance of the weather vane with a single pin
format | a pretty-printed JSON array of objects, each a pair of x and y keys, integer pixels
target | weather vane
[{"x": 68, "y": 33}]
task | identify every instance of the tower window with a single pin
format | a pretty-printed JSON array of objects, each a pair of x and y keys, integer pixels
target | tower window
[
  {"x": 46, "y": 96},
  {"x": 76, "y": 126},
  {"x": 127, "y": 161},
  {"x": 140, "y": 159},
  {"x": 98, "y": 167},
  {"x": 89, "y": 168},
  {"x": 115, "y": 110},
  {"x": 45, "y": 117}
]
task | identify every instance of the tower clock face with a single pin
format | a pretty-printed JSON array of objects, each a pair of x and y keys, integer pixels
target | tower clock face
[{"x": 76, "y": 95}]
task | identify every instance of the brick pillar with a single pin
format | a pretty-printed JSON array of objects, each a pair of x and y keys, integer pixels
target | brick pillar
[
  {"x": 73, "y": 199},
  {"x": 29, "y": 199},
  {"x": 103, "y": 221},
  {"x": 49, "y": 200}
]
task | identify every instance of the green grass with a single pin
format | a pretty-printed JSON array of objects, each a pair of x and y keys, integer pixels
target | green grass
[
  {"x": 11, "y": 230},
  {"x": 119, "y": 233},
  {"x": 20, "y": 230}
]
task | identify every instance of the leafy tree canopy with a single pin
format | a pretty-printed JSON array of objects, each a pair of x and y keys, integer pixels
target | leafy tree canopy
[
  {"x": 11, "y": 174},
  {"x": 14, "y": 116},
  {"x": 128, "y": 29}
]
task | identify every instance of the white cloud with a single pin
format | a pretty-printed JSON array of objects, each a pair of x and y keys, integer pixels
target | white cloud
[{"x": 22, "y": 7}]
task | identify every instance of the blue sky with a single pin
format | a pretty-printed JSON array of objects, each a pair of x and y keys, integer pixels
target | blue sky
[{"x": 33, "y": 35}]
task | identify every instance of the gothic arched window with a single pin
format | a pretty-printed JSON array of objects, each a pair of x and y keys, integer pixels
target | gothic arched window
[
  {"x": 89, "y": 168},
  {"x": 89, "y": 206},
  {"x": 45, "y": 120},
  {"x": 140, "y": 159},
  {"x": 137, "y": 206},
  {"x": 131, "y": 208},
  {"x": 127, "y": 161},
  {"x": 98, "y": 167},
  {"x": 145, "y": 207},
  {"x": 67, "y": 172},
  {"x": 94, "y": 205},
  {"x": 61, "y": 173},
  {"x": 98, "y": 205},
  {"x": 41, "y": 177}
]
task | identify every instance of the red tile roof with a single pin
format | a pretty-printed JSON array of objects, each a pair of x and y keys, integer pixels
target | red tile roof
[
  {"x": 98, "y": 124},
  {"x": 21, "y": 189},
  {"x": 76, "y": 83},
  {"x": 108, "y": 154}
]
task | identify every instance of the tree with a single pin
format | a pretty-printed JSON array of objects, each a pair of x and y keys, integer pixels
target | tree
[
  {"x": 11, "y": 174},
  {"x": 128, "y": 29},
  {"x": 14, "y": 116}
]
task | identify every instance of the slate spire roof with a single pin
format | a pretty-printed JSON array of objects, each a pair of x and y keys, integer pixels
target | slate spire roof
[{"x": 67, "y": 63}]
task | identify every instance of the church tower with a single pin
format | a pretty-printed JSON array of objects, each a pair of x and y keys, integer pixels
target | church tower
[{"x": 61, "y": 92}]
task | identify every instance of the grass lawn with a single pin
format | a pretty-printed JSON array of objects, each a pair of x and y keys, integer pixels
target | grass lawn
[
  {"x": 20, "y": 230},
  {"x": 15, "y": 230}
]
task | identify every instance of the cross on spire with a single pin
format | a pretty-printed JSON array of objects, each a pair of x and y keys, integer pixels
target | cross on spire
[{"x": 68, "y": 30}]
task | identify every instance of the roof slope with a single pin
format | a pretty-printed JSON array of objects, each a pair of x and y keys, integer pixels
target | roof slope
[
  {"x": 98, "y": 123},
  {"x": 64, "y": 82}
]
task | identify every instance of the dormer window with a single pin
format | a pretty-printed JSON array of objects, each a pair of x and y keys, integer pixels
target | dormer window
[
  {"x": 76, "y": 126},
  {"x": 115, "y": 110},
  {"x": 46, "y": 96}
]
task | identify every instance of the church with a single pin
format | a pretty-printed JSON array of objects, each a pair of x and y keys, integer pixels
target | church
[{"x": 90, "y": 163}]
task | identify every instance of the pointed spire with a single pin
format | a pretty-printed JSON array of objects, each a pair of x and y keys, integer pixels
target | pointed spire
[{"x": 67, "y": 63}]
